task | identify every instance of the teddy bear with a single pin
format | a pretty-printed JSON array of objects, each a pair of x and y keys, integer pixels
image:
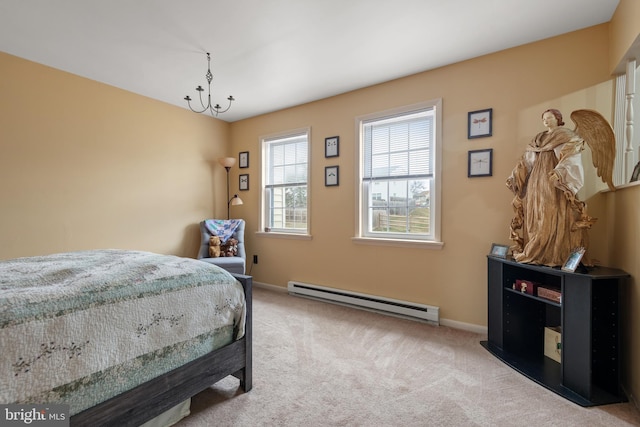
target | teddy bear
[
  {"x": 229, "y": 248},
  {"x": 214, "y": 246}
]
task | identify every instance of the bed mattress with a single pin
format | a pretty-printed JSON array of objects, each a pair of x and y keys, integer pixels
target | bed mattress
[{"x": 79, "y": 328}]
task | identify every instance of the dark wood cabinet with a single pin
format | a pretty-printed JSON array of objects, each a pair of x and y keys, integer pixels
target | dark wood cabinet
[{"x": 588, "y": 314}]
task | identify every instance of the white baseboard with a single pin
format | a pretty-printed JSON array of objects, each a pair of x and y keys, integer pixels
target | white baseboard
[
  {"x": 469, "y": 327},
  {"x": 270, "y": 287},
  {"x": 630, "y": 396}
]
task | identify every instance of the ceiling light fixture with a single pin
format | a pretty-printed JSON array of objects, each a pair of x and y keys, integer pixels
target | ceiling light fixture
[{"x": 217, "y": 108}]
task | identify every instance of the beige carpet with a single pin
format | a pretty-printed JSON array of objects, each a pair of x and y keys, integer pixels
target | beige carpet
[{"x": 319, "y": 364}]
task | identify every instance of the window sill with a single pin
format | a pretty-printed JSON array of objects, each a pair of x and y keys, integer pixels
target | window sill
[
  {"x": 421, "y": 244},
  {"x": 276, "y": 235},
  {"x": 622, "y": 186}
]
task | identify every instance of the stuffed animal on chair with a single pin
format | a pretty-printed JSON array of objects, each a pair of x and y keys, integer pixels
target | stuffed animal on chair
[
  {"x": 214, "y": 247},
  {"x": 229, "y": 248}
]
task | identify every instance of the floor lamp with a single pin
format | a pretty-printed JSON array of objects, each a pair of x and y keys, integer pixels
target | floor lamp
[{"x": 227, "y": 163}]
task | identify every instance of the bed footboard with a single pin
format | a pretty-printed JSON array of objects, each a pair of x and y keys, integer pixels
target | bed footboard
[
  {"x": 152, "y": 398},
  {"x": 245, "y": 375}
]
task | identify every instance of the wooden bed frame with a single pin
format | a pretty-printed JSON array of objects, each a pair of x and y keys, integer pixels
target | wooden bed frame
[{"x": 154, "y": 397}]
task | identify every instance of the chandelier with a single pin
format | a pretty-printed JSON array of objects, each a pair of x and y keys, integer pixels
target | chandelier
[{"x": 212, "y": 108}]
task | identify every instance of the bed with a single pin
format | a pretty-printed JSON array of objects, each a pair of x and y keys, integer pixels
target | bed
[{"x": 120, "y": 336}]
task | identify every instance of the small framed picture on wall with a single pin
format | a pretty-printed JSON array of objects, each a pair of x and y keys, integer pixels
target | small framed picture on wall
[
  {"x": 331, "y": 176},
  {"x": 244, "y": 182},
  {"x": 332, "y": 146},
  {"x": 244, "y": 159},
  {"x": 480, "y": 123},
  {"x": 480, "y": 163}
]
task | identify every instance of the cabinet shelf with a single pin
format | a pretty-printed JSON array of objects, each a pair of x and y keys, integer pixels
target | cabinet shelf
[
  {"x": 548, "y": 374},
  {"x": 526, "y": 295},
  {"x": 589, "y": 372}
]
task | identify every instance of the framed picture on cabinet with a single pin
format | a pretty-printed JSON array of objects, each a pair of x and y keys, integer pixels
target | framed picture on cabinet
[
  {"x": 500, "y": 251},
  {"x": 332, "y": 146},
  {"x": 331, "y": 176},
  {"x": 480, "y": 123},
  {"x": 243, "y": 159},
  {"x": 244, "y": 182},
  {"x": 573, "y": 261}
]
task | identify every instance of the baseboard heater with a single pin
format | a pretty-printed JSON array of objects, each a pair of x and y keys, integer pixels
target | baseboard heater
[{"x": 390, "y": 306}]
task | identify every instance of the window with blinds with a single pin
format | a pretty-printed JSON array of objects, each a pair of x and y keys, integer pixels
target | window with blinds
[
  {"x": 397, "y": 174},
  {"x": 286, "y": 169}
]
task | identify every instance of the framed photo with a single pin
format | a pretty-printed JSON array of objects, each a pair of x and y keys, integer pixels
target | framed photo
[
  {"x": 480, "y": 163},
  {"x": 573, "y": 261},
  {"x": 332, "y": 146},
  {"x": 480, "y": 123},
  {"x": 331, "y": 176},
  {"x": 244, "y": 182},
  {"x": 243, "y": 160},
  {"x": 636, "y": 173},
  {"x": 499, "y": 251}
]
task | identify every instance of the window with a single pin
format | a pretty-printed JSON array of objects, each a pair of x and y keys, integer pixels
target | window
[
  {"x": 285, "y": 176},
  {"x": 399, "y": 184}
]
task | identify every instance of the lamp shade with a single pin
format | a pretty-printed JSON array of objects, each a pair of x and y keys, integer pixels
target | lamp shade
[
  {"x": 227, "y": 162},
  {"x": 235, "y": 200}
]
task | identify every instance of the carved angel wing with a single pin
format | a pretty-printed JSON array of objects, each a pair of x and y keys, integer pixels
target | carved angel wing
[{"x": 597, "y": 133}]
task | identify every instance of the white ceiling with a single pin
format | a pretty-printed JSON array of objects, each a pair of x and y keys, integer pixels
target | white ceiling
[{"x": 273, "y": 54}]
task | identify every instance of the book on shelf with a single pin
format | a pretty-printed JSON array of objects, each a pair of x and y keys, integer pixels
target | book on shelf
[
  {"x": 549, "y": 293},
  {"x": 553, "y": 343}
]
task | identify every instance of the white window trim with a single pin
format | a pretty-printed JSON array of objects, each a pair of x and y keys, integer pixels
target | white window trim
[
  {"x": 436, "y": 242},
  {"x": 627, "y": 146},
  {"x": 263, "y": 179}
]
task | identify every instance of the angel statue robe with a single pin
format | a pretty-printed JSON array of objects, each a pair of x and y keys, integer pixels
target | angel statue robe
[{"x": 550, "y": 222}]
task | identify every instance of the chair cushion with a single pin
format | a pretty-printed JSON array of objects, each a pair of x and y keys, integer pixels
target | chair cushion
[{"x": 231, "y": 264}]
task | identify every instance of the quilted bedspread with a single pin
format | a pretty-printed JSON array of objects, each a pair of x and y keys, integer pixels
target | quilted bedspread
[{"x": 81, "y": 327}]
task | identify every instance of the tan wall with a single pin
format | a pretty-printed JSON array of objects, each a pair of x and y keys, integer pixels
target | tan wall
[
  {"x": 517, "y": 83},
  {"x": 85, "y": 165},
  {"x": 625, "y": 34},
  {"x": 623, "y": 231},
  {"x": 622, "y": 207}
]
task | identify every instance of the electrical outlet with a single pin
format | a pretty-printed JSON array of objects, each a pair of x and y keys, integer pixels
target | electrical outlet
[{"x": 255, "y": 259}]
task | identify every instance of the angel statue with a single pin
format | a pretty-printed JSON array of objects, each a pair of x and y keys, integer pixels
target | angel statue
[{"x": 550, "y": 222}]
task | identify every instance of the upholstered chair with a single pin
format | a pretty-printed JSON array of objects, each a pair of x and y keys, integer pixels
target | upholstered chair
[{"x": 233, "y": 264}]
